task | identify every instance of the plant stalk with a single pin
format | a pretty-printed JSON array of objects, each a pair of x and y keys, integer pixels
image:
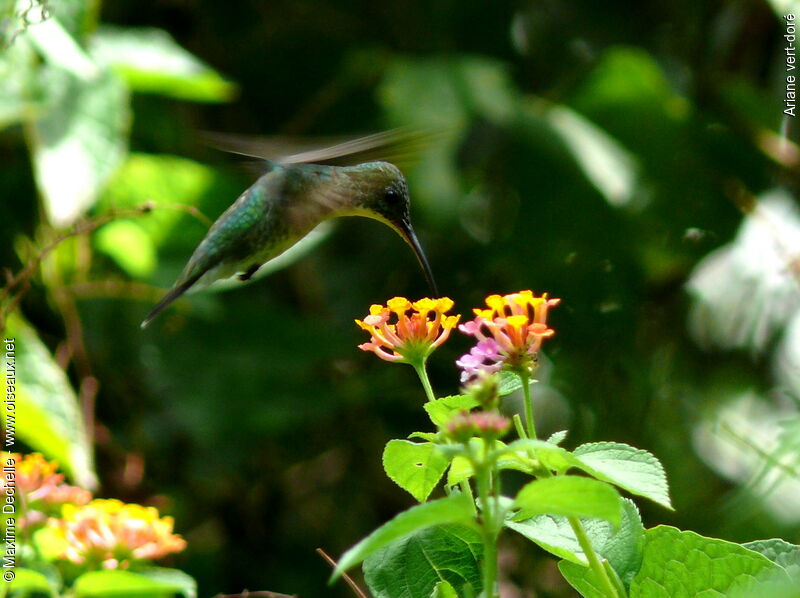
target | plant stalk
[
  {"x": 526, "y": 388},
  {"x": 594, "y": 561},
  {"x": 488, "y": 525}
]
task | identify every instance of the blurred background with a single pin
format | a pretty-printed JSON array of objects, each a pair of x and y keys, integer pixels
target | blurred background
[{"x": 625, "y": 157}]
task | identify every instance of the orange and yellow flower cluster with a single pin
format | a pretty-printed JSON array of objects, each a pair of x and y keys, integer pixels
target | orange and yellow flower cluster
[
  {"x": 410, "y": 338},
  {"x": 95, "y": 533},
  {"x": 111, "y": 534},
  {"x": 41, "y": 489}
]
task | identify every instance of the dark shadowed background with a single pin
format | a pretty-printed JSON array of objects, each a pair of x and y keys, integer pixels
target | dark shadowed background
[{"x": 623, "y": 157}]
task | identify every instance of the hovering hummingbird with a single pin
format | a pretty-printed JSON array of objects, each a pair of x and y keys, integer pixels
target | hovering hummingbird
[{"x": 294, "y": 195}]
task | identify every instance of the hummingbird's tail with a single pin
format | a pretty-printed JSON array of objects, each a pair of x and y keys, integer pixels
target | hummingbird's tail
[{"x": 173, "y": 294}]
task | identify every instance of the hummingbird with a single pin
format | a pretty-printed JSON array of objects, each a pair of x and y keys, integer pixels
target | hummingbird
[{"x": 290, "y": 198}]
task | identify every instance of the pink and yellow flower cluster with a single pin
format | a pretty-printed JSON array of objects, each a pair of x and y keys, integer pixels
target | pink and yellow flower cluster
[
  {"x": 510, "y": 332},
  {"x": 399, "y": 336}
]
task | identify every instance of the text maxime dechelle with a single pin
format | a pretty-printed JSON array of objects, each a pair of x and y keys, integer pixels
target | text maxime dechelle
[{"x": 9, "y": 475}]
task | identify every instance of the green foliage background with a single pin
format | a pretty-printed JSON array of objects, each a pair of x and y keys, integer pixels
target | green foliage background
[{"x": 597, "y": 152}]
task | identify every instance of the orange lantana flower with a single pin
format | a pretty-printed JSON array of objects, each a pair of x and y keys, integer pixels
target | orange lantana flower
[{"x": 409, "y": 338}]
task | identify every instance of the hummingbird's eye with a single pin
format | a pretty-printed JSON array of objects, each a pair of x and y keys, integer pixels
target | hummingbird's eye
[{"x": 391, "y": 195}]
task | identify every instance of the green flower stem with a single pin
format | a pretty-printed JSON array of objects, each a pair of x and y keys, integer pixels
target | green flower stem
[
  {"x": 595, "y": 564},
  {"x": 419, "y": 367},
  {"x": 620, "y": 587},
  {"x": 488, "y": 526},
  {"x": 518, "y": 427},
  {"x": 526, "y": 388}
]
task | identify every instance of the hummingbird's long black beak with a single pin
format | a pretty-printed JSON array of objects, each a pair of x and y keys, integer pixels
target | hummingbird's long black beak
[{"x": 407, "y": 232}]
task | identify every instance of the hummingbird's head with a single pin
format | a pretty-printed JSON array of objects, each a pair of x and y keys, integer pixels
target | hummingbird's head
[{"x": 386, "y": 198}]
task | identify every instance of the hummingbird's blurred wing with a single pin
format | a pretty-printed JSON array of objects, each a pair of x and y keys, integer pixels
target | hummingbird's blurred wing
[{"x": 399, "y": 146}]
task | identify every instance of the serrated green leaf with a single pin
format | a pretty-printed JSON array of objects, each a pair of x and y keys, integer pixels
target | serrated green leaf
[
  {"x": 150, "y": 61},
  {"x": 129, "y": 245},
  {"x": 456, "y": 508},
  {"x": 442, "y": 410},
  {"x": 28, "y": 581},
  {"x": 79, "y": 141},
  {"x": 126, "y": 584},
  {"x": 781, "y": 553},
  {"x": 570, "y": 496},
  {"x": 509, "y": 382},
  {"x": 414, "y": 566},
  {"x": 683, "y": 564},
  {"x": 557, "y": 437},
  {"x": 632, "y": 469},
  {"x": 415, "y": 467},
  {"x": 622, "y": 547},
  {"x": 47, "y": 416}
]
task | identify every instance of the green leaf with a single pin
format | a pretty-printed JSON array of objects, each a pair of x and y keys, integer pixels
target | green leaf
[
  {"x": 17, "y": 74},
  {"x": 509, "y": 382},
  {"x": 622, "y": 547},
  {"x": 47, "y": 416},
  {"x": 781, "y": 553},
  {"x": 443, "y": 590},
  {"x": 557, "y": 437},
  {"x": 570, "y": 496},
  {"x": 165, "y": 181},
  {"x": 415, "y": 467},
  {"x": 582, "y": 578},
  {"x": 129, "y": 245},
  {"x": 682, "y": 564},
  {"x": 442, "y": 410},
  {"x": 79, "y": 17},
  {"x": 126, "y": 584},
  {"x": 28, "y": 581},
  {"x": 79, "y": 141},
  {"x": 609, "y": 166},
  {"x": 632, "y": 469},
  {"x": 150, "y": 61},
  {"x": 550, "y": 455},
  {"x": 414, "y": 565},
  {"x": 61, "y": 50},
  {"x": 456, "y": 508},
  {"x": 184, "y": 583}
]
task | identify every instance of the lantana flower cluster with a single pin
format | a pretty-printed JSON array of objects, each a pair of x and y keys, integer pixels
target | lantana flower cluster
[
  {"x": 398, "y": 336},
  {"x": 110, "y": 534},
  {"x": 509, "y": 331},
  {"x": 97, "y": 533},
  {"x": 40, "y": 488}
]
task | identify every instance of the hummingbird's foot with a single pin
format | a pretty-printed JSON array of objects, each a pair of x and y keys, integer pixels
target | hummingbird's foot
[{"x": 244, "y": 276}]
